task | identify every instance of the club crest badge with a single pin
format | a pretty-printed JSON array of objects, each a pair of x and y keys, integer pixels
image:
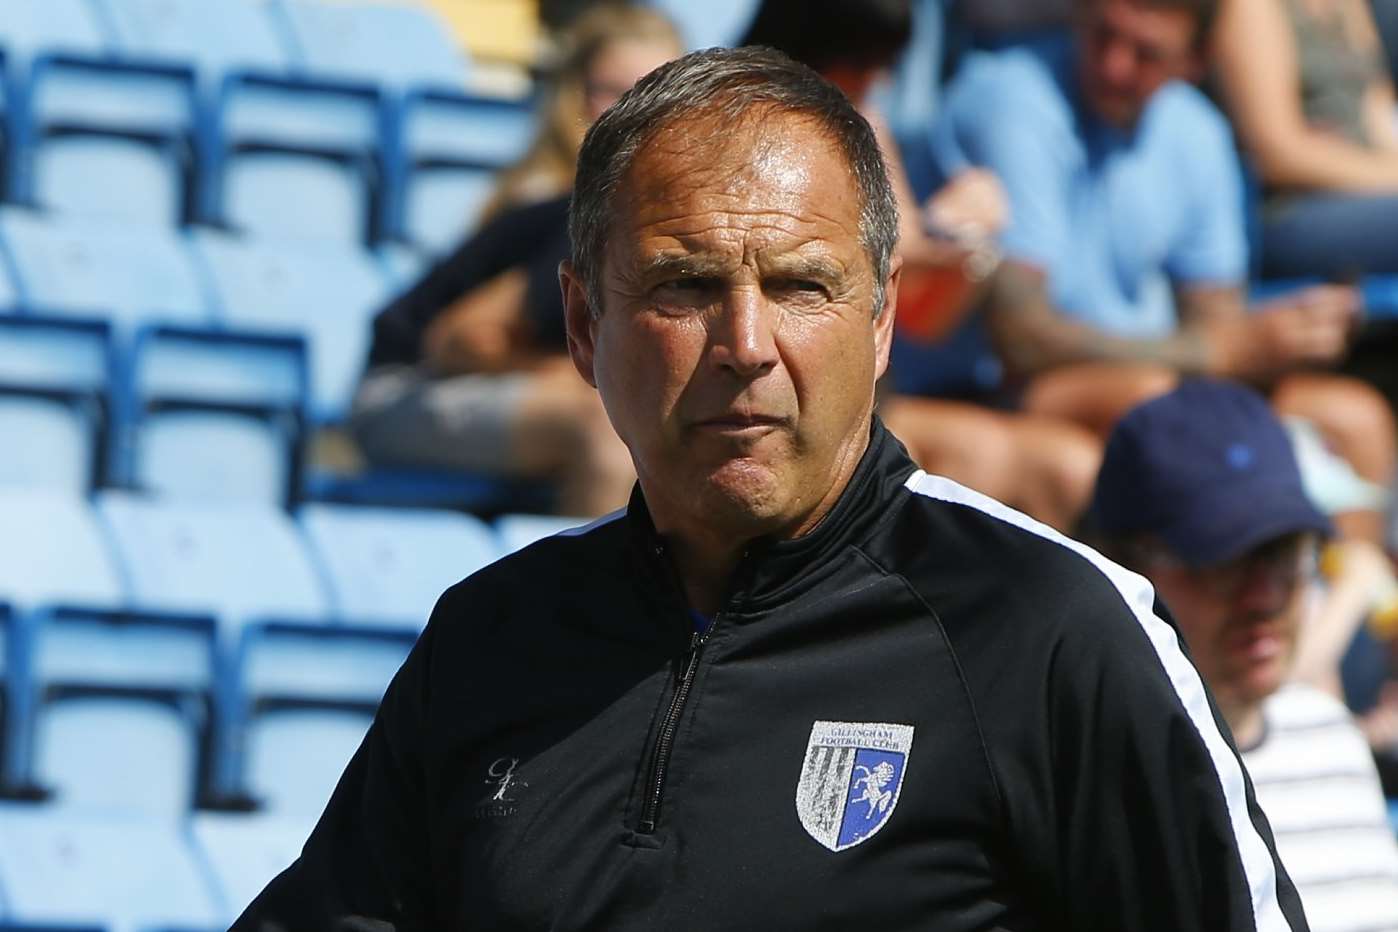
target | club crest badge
[{"x": 850, "y": 780}]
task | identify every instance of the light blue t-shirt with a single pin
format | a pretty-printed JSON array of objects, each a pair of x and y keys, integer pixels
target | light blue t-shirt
[{"x": 1113, "y": 218}]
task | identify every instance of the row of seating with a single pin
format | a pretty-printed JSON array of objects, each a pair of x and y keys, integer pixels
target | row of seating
[
  {"x": 222, "y": 608},
  {"x": 176, "y": 111}
]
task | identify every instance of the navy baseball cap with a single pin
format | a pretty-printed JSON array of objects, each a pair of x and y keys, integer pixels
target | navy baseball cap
[{"x": 1209, "y": 469}]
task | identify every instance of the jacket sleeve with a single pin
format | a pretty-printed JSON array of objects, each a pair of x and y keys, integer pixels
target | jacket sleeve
[
  {"x": 1154, "y": 824},
  {"x": 365, "y": 866}
]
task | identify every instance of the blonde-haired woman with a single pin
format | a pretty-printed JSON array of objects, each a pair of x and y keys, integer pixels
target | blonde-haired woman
[{"x": 469, "y": 368}]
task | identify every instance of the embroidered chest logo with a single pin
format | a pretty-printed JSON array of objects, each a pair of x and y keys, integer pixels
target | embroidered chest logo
[
  {"x": 850, "y": 780},
  {"x": 501, "y": 801}
]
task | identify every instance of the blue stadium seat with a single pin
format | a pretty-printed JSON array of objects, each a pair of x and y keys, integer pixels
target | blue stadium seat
[
  {"x": 72, "y": 627},
  {"x": 517, "y": 531},
  {"x": 54, "y": 401},
  {"x": 245, "y": 563},
  {"x": 388, "y": 566},
  {"x": 296, "y": 756},
  {"x": 394, "y": 45},
  {"x": 243, "y": 852},
  {"x": 238, "y": 561},
  {"x": 327, "y": 292},
  {"x": 65, "y": 871},
  {"x": 112, "y": 752},
  {"x": 108, "y": 138},
  {"x": 32, "y": 27},
  {"x": 447, "y": 151},
  {"x": 272, "y": 142},
  {"x": 91, "y": 268},
  {"x": 404, "y": 265},
  {"x": 215, "y": 415},
  {"x": 216, "y": 38}
]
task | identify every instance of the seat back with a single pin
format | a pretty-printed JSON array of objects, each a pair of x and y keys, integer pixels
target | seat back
[
  {"x": 77, "y": 871},
  {"x": 230, "y": 35},
  {"x": 33, "y": 26},
  {"x": 54, "y": 549},
  {"x": 90, "y": 268},
  {"x": 517, "y": 531},
  {"x": 389, "y": 566},
  {"x": 296, "y": 755},
  {"x": 238, "y": 561},
  {"x": 215, "y": 416},
  {"x": 391, "y": 44},
  {"x": 114, "y": 753},
  {"x": 325, "y": 292},
  {"x": 244, "y": 852}
]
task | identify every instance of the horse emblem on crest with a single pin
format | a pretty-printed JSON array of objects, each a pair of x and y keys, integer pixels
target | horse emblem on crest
[{"x": 850, "y": 780}]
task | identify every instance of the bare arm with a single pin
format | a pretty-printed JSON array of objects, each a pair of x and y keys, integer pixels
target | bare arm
[
  {"x": 482, "y": 331},
  {"x": 1217, "y": 334},
  {"x": 1254, "y": 55},
  {"x": 1033, "y": 336}
]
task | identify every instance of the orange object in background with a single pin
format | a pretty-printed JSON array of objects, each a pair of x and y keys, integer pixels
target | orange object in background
[{"x": 934, "y": 299}]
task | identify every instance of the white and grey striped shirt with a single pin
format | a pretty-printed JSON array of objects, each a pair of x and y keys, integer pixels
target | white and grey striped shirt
[{"x": 1316, "y": 780}]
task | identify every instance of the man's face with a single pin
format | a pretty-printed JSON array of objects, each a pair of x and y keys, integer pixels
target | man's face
[
  {"x": 737, "y": 348},
  {"x": 1241, "y": 618},
  {"x": 1128, "y": 50}
]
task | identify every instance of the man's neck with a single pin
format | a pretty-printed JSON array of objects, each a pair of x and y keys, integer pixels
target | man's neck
[{"x": 1246, "y": 722}]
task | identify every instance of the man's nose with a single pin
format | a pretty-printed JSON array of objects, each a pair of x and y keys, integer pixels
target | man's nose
[{"x": 743, "y": 338}]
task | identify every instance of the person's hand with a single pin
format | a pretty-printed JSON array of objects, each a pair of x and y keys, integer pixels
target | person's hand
[
  {"x": 480, "y": 332},
  {"x": 1310, "y": 327},
  {"x": 969, "y": 206}
]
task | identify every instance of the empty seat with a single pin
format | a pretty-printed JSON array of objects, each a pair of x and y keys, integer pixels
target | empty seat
[
  {"x": 296, "y": 756},
  {"x": 215, "y": 415},
  {"x": 105, "y": 752},
  {"x": 31, "y": 27},
  {"x": 107, "y": 138},
  {"x": 239, "y": 561},
  {"x": 67, "y": 870},
  {"x": 57, "y": 569},
  {"x": 276, "y": 142},
  {"x": 449, "y": 149},
  {"x": 245, "y": 851},
  {"x": 230, "y": 35},
  {"x": 391, "y": 44},
  {"x": 390, "y": 565},
  {"x": 99, "y": 269},
  {"x": 54, "y": 402},
  {"x": 517, "y": 531},
  {"x": 326, "y": 292}
]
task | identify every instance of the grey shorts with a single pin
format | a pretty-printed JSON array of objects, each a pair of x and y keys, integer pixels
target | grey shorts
[{"x": 403, "y": 417}]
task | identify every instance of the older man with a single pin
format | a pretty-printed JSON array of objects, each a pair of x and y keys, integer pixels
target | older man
[
  {"x": 798, "y": 684},
  {"x": 1200, "y": 492}
]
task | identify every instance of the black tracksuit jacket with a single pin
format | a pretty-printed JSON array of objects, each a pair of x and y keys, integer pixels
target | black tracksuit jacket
[{"x": 561, "y": 751}]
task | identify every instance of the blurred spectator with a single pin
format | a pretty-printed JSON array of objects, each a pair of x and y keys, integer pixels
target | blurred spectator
[
  {"x": 995, "y": 22},
  {"x": 1200, "y": 492},
  {"x": 1126, "y": 248},
  {"x": 1037, "y": 464},
  {"x": 469, "y": 368},
  {"x": 1308, "y": 89},
  {"x": 1386, "y": 19}
]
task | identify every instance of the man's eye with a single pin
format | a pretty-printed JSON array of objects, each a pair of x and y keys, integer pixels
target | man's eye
[{"x": 803, "y": 286}]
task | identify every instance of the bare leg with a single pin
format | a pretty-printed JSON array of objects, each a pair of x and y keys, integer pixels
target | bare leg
[
  {"x": 1042, "y": 466},
  {"x": 1357, "y": 423},
  {"x": 1096, "y": 395}
]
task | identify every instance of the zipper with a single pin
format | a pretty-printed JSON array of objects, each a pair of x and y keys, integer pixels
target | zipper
[{"x": 665, "y": 739}]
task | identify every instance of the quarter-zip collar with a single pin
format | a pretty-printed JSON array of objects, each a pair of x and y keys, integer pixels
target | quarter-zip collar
[{"x": 772, "y": 570}]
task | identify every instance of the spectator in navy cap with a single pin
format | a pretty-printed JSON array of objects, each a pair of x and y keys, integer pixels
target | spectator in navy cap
[{"x": 1200, "y": 492}]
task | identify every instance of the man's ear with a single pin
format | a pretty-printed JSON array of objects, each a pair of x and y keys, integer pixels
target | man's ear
[
  {"x": 580, "y": 320},
  {"x": 883, "y": 324}
]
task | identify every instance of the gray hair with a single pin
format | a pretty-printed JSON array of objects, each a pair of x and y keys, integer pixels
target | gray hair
[{"x": 726, "y": 83}]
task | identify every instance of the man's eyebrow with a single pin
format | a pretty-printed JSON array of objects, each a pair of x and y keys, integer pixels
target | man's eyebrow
[
  {"x": 687, "y": 266},
  {"x": 816, "y": 268}
]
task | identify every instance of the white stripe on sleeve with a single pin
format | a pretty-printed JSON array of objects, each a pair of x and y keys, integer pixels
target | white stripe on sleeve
[{"x": 1138, "y": 594}]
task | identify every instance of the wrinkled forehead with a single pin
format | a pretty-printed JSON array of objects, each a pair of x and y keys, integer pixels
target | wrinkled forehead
[{"x": 761, "y": 161}]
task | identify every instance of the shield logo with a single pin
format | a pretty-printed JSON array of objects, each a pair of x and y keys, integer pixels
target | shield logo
[{"x": 850, "y": 780}]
